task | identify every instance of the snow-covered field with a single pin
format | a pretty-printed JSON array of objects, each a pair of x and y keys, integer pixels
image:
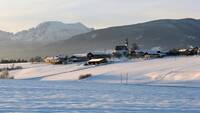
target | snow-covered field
[
  {"x": 171, "y": 71},
  {"x": 32, "y": 96},
  {"x": 168, "y": 85}
]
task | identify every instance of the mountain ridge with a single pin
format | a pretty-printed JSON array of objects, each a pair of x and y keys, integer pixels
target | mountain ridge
[
  {"x": 51, "y": 31},
  {"x": 163, "y": 34}
]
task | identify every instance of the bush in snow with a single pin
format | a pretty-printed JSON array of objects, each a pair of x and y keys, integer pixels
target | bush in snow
[
  {"x": 84, "y": 76},
  {"x": 5, "y": 75}
]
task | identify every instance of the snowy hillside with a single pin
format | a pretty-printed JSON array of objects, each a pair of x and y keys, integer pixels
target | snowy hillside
[
  {"x": 51, "y": 31},
  {"x": 172, "y": 70},
  {"x": 143, "y": 94}
]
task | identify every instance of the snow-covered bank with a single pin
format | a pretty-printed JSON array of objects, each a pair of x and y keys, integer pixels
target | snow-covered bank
[{"x": 176, "y": 70}]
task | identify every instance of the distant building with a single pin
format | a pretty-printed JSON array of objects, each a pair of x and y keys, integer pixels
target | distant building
[
  {"x": 78, "y": 58},
  {"x": 60, "y": 59},
  {"x": 153, "y": 54},
  {"x": 137, "y": 54},
  {"x": 97, "y": 61},
  {"x": 52, "y": 60},
  {"x": 91, "y": 55},
  {"x": 189, "y": 51},
  {"x": 99, "y": 54}
]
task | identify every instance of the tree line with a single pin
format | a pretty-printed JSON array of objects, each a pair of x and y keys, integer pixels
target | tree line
[{"x": 5, "y": 61}]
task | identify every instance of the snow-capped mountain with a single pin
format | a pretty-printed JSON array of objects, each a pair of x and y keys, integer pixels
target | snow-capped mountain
[
  {"x": 156, "y": 35},
  {"x": 52, "y": 38},
  {"x": 23, "y": 44},
  {"x": 51, "y": 31}
]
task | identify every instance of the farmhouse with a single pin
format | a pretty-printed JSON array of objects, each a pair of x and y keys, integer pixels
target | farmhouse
[
  {"x": 97, "y": 61},
  {"x": 78, "y": 58},
  {"x": 55, "y": 60},
  {"x": 153, "y": 54},
  {"x": 52, "y": 60},
  {"x": 99, "y": 54}
]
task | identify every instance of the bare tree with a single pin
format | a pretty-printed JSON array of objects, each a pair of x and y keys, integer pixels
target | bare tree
[{"x": 134, "y": 47}]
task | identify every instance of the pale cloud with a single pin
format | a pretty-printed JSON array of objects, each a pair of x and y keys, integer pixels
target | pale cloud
[{"x": 22, "y": 14}]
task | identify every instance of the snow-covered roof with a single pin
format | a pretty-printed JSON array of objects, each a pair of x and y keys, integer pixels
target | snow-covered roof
[
  {"x": 182, "y": 50},
  {"x": 148, "y": 51},
  {"x": 96, "y": 60},
  {"x": 80, "y": 55},
  {"x": 101, "y": 52},
  {"x": 52, "y": 58}
]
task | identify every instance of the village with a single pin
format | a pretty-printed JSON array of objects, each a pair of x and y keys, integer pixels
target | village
[
  {"x": 120, "y": 53},
  {"x": 123, "y": 51}
]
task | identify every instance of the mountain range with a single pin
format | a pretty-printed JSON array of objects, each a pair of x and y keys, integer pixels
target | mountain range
[
  {"x": 51, "y": 38},
  {"x": 27, "y": 43}
]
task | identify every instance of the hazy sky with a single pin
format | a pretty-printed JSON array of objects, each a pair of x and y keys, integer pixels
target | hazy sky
[{"x": 16, "y": 15}]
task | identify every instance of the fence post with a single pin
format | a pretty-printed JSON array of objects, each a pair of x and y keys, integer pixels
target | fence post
[
  {"x": 126, "y": 78},
  {"x": 121, "y": 79}
]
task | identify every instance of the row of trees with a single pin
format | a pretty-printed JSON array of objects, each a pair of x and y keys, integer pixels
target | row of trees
[
  {"x": 4, "y": 61},
  {"x": 34, "y": 59}
]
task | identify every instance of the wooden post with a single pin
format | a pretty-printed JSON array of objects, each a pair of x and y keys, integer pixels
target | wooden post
[
  {"x": 126, "y": 78},
  {"x": 121, "y": 79}
]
